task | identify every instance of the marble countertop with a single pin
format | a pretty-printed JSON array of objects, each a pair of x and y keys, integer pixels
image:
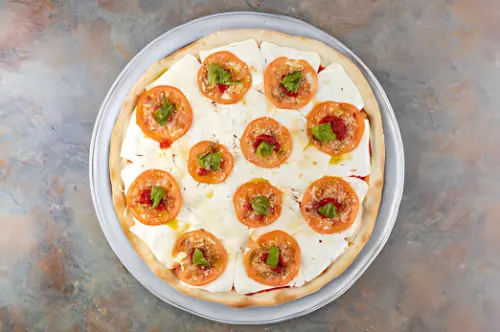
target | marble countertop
[{"x": 438, "y": 61}]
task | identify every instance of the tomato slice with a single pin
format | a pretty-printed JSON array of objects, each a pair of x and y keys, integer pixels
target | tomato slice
[
  {"x": 323, "y": 191},
  {"x": 179, "y": 121},
  {"x": 270, "y": 131},
  {"x": 210, "y": 176},
  {"x": 213, "y": 252},
  {"x": 231, "y": 92},
  {"x": 141, "y": 205},
  {"x": 278, "y": 94},
  {"x": 346, "y": 122},
  {"x": 249, "y": 191},
  {"x": 288, "y": 264}
]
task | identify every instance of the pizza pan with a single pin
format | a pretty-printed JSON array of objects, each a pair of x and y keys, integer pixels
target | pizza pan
[{"x": 101, "y": 189}]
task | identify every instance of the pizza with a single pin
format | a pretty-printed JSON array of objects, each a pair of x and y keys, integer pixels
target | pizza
[{"x": 247, "y": 168}]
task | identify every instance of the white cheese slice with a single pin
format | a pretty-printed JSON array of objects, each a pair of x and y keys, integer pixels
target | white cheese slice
[
  {"x": 136, "y": 146},
  {"x": 224, "y": 283},
  {"x": 296, "y": 125},
  {"x": 297, "y": 175},
  {"x": 318, "y": 251},
  {"x": 248, "y": 52},
  {"x": 160, "y": 239},
  {"x": 270, "y": 52},
  {"x": 335, "y": 84},
  {"x": 357, "y": 162},
  {"x": 254, "y": 105}
]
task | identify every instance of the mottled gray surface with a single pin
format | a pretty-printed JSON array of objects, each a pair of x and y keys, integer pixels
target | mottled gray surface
[{"x": 439, "y": 62}]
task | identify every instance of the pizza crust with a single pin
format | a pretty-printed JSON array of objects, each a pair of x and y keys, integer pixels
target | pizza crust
[{"x": 370, "y": 205}]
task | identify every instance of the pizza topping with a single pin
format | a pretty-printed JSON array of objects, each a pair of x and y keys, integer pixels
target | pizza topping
[
  {"x": 266, "y": 143},
  {"x": 224, "y": 78},
  {"x": 290, "y": 83},
  {"x": 260, "y": 204},
  {"x": 323, "y": 132},
  {"x": 335, "y": 128},
  {"x": 329, "y": 205},
  {"x": 157, "y": 194},
  {"x": 210, "y": 162},
  {"x": 164, "y": 114},
  {"x": 154, "y": 197},
  {"x": 257, "y": 203},
  {"x": 198, "y": 259},
  {"x": 202, "y": 257},
  {"x": 273, "y": 259}
]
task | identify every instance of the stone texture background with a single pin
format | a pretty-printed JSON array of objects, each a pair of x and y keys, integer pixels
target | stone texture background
[{"x": 439, "y": 62}]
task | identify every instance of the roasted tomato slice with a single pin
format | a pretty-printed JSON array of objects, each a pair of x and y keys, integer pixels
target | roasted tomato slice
[
  {"x": 210, "y": 162},
  {"x": 224, "y": 78},
  {"x": 329, "y": 205},
  {"x": 202, "y": 257},
  {"x": 258, "y": 203},
  {"x": 164, "y": 114},
  {"x": 290, "y": 83},
  {"x": 154, "y": 197},
  {"x": 266, "y": 143},
  {"x": 277, "y": 270},
  {"x": 335, "y": 128}
]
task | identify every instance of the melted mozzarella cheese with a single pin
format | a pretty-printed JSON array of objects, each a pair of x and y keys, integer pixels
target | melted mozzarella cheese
[
  {"x": 136, "y": 146},
  {"x": 318, "y": 251},
  {"x": 335, "y": 84},
  {"x": 254, "y": 105},
  {"x": 270, "y": 52},
  {"x": 357, "y": 162},
  {"x": 297, "y": 175},
  {"x": 248, "y": 52},
  {"x": 296, "y": 125},
  {"x": 160, "y": 239},
  {"x": 224, "y": 283}
]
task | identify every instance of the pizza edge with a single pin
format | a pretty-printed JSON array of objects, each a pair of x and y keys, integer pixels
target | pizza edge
[{"x": 370, "y": 205}]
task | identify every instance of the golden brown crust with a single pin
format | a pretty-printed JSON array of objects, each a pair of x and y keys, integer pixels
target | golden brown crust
[{"x": 370, "y": 205}]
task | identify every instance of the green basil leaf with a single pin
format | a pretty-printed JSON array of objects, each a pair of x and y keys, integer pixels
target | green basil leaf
[
  {"x": 218, "y": 75},
  {"x": 291, "y": 82},
  {"x": 163, "y": 113},
  {"x": 210, "y": 161},
  {"x": 260, "y": 204},
  {"x": 199, "y": 259},
  {"x": 323, "y": 132},
  {"x": 274, "y": 257},
  {"x": 265, "y": 149},
  {"x": 157, "y": 194},
  {"x": 328, "y": 210}
]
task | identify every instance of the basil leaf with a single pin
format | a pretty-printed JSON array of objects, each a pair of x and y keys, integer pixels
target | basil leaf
[
  {"x": 210, "y": 161},
  {"x": 218, "y": 75},
  {"x": 291, "y": 82},
  {"x": 265, "y": 149},
  {"x": 198, "y": 258},
  {"x": 323, "y": 132},
  {"x": 163, "y": 113},
  {"x": 157, "y": 194},
  {"x": 260, "y": 204},
  {"x": 328, "y": 210},
  {"x": 274, "y": 257}
]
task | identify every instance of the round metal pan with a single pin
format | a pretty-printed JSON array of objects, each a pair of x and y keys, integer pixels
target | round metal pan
[{"x": 101, "y": 189}]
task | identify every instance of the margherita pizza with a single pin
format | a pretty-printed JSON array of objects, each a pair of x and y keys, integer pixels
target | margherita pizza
[{"x": 247, "y": 168}]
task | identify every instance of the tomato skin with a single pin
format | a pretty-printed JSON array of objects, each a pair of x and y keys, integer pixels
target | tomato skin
[{"x": 210, "y": 176}]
